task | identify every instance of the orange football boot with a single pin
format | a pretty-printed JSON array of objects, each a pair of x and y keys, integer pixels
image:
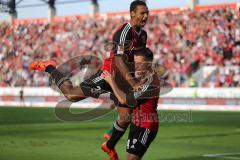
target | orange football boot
[
  {"x": 111, "y": 152},
  {"x": 42, "y": 65},
  {"x": 106, "y": 136}
]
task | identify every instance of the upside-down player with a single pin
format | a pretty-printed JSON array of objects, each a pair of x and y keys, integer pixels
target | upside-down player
[
  {"x": 128, "y": 36},
  {"x": 144, "y": 123}
]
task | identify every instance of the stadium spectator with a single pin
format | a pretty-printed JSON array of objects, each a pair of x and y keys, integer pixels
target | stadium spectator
[{"x": 185, "y": 41}]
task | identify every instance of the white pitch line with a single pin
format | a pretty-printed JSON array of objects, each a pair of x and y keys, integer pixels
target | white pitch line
[
  {"x": 224, "y": 155},
  {"x": 235, "y": 158}
]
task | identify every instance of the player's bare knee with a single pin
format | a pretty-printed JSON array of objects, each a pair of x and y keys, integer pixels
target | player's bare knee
[
  {"x": 124, "y": 115},
  {"x": 66, "y": 90},
  {"x": 132, "y": 157},
  {"x": 124, "y": 118},
  {"x": 123, "y": 123},
  {"x": 71, "y": 98}
]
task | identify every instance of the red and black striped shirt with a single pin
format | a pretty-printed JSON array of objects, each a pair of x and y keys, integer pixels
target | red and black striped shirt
[{"x": 125, "y": 39}]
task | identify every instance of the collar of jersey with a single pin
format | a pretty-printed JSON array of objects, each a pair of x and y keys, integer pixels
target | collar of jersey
[{"x": 138, "y": 33}]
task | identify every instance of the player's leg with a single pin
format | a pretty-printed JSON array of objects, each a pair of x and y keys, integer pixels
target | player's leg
[
  {"x": 123, "y": 119},
  {"x": 124, "y": 116},
  {"x": 119, "y": 126},
  {"x": 139, "y": 140},
  {"x": 124, "y": 113},
  {"x": 111, "y": 152},
  {"x": 117, "y": 131},
  {"x": 72, "y": 93},
  {"x": 92, "y": 87},
  {"x": 132, "y": 157}
]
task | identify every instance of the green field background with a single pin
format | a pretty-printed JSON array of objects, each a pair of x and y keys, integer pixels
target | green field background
[{"x": 36, "y": 134}]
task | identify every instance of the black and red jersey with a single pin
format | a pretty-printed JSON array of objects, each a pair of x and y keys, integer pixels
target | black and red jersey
[
  {"x": 145, "y": 115},
  {"x": 125, "y": 39}
]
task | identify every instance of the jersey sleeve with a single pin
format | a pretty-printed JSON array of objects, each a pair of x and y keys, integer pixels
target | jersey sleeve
[{"x": 122, "y": 40}]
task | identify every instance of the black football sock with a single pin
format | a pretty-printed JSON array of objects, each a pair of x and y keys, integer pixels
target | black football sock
[
  {"x": 50, "y": 69},
  {"x": 109, "y": 132},
  {"x": 117, "y": 133},
  {"x": 57, "y": 76}
]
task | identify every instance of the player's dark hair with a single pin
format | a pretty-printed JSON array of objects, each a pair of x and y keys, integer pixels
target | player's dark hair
[
  {"x": 136, "y": 3},
  {"x": 145, "y": 52}
]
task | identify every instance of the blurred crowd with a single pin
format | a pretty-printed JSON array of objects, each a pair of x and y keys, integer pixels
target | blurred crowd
[
  {"x": 228, "y": 76},
  {"x": 182, "y": 42}
]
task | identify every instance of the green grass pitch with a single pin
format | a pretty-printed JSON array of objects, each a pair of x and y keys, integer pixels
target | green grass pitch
[{"x": 36, "y": 134}]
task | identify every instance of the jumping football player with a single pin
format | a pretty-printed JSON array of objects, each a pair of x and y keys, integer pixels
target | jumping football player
[
  {"x": 128, "y": 36},
  {"x": 144, "y": 118}
]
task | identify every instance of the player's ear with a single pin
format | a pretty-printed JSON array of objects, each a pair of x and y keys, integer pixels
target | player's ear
[{"x": 132, "y": 14}]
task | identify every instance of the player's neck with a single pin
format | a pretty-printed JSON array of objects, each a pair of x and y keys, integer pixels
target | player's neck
[{"x": 134, "y": 26}]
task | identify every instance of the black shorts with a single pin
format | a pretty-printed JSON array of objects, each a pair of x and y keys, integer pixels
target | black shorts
[
  {"x": 139, "y": 139},
  {"x": 95, "y": 86}
]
